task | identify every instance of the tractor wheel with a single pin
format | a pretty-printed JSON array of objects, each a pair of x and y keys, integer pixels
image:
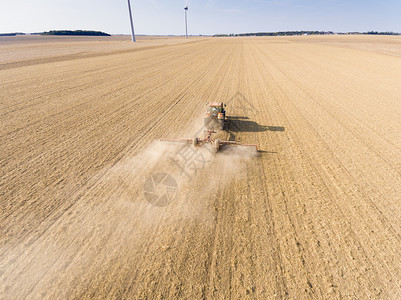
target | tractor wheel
[
  {"x": 195, "y": 142},
  {"x": 217, "y": 145}
]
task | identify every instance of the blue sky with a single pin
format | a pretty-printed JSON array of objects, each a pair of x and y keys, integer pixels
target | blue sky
[{"x": 205, "y": 17}]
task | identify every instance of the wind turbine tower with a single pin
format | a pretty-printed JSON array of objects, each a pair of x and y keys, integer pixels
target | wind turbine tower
[
  {"x": 132, "y": 22},
  {"x": 186, "y": 20}
]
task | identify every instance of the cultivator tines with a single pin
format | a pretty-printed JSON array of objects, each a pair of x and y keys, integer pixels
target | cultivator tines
[{"x": 217, "y": 143}]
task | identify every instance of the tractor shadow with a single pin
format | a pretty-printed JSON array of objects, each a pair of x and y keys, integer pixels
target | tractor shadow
[
  {"x": 236, "y": 124},
  {"x": 243, "y": 124}
]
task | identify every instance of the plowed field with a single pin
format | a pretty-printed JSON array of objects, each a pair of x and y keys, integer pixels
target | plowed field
[{"x": 92, "y": 206}]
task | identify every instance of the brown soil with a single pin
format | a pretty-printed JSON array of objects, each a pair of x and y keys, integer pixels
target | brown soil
[{"x": 316, "y": 214}]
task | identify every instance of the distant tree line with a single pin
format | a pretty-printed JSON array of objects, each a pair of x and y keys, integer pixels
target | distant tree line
[
  {"x": 285, "y": 33},
  {"x": 290, "y": 33},
  {"x": 76, "y": 32},
  {"x": 12, "y": 34},
  {"x": 382, "y": 33},
  {"x": 278, "y": 33}
]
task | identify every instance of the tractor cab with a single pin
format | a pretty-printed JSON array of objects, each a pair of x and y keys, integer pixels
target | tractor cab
[
  {"x": 214, "y": 108},
  {"x": 215, "y": 115}
]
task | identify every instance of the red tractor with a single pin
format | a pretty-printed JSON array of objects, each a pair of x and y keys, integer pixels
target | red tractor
[{"x": 215, "y": 116}]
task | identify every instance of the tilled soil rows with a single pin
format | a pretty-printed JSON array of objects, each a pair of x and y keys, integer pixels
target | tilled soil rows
[{"x": 94, "y": 206}]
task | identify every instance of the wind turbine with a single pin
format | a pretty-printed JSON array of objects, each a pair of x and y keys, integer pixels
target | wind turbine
[
  {"x": 186, "y": 19},
  {"x": 132, "y": 22}
]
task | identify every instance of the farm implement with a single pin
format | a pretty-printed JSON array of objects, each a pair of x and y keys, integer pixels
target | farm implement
[
  {"x": 217, "y": 144},
  {"x": 215, "y": 115}
]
